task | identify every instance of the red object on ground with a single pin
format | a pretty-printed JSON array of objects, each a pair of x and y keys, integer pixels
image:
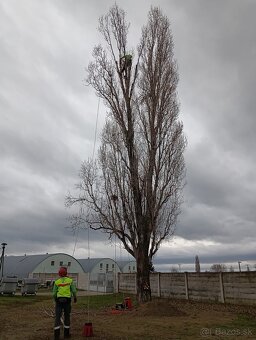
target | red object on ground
[
  {"x": 87, "y": 331},
  {"x": 128, "y": 303}
]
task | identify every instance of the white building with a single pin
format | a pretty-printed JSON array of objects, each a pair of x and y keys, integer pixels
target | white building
[
  {"x": 102, "y": 272},
  {"x": 97, "y": 274},
  {"x": 127, "y": 266},
  {"x": 45, "y": 267}
]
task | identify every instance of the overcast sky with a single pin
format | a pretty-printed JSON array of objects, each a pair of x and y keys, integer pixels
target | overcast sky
[{"x": 48, "y": 119}]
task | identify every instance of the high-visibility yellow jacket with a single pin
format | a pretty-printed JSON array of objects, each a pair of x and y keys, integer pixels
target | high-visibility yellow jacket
[{"x": 64, "y": 287}]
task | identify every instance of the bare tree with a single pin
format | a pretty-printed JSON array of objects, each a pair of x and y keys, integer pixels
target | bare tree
[
  {"x": 218, "y": 267},
  {"x": 174, "y": 269},
  {"x": 133, "y": 190},
  {"x": 197, "y": 264}
]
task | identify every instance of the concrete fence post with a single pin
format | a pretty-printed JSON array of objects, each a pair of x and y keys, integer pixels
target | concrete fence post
[
  {"x": 159, "y": 284},
  {"x": 222, "y": 296},
  {"x": 186, "y": 284}
]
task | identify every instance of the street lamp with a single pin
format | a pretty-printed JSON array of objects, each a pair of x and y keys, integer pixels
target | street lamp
[{"x": 2, "y": 259}]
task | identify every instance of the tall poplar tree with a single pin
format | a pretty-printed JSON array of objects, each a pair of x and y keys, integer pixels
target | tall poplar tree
[{"x": 134, "y": 188}]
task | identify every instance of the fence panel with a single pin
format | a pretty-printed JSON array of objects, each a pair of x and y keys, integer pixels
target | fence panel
[
  {"x": 232, "y": 287},
  {"x": 240, "y": 287},
  {"x": 173, "y": 285},
  {"x": 204, "y": 286},
  {"x": 127, "y": 283}
]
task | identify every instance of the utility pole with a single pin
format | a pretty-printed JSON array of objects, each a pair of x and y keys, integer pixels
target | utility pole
[
  {"x": 2, "y": 259},
  {"x": 239, "y": 265}
]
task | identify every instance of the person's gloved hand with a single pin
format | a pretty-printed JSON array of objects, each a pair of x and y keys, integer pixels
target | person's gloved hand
[{"x": 75, "y": 299}]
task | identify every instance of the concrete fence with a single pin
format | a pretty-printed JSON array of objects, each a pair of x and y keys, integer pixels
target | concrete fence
[{"x": 232, "y": 287}]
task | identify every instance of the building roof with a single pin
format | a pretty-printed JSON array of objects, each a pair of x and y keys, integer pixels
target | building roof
[
  {"x": 122, "y": 264},
  {"x": 89, "y": 264},
  {"x": 21, "y": 266}
]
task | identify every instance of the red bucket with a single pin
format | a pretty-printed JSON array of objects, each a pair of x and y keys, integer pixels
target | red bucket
[
  {"x": 128, "y": 303},
  {"x": 87, "y": 331}
]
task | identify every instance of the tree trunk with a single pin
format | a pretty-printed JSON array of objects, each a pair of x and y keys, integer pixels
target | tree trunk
[{"x": 143, "y": 276}]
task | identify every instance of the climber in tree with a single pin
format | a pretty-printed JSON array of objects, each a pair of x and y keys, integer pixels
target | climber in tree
[{"x": 126, "y": 63}]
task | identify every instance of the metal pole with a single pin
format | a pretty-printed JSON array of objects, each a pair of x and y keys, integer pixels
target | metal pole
[{"x": 2, "y": 259}]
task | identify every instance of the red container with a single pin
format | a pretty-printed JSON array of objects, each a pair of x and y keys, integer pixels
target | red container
[
  {"x": 87, "y": 331},
  {"x": 128, "y": 303}
]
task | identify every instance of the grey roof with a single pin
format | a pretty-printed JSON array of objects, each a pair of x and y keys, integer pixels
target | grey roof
[
  {"x": 89, "y": 264},
  {"x": 122, "y": 264},
  {"x": 21, "y": 266}
]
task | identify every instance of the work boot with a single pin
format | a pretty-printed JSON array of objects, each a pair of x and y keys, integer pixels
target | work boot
[
  {"x": 57, "y": 334},
  {"x": 66, "y": 333}
]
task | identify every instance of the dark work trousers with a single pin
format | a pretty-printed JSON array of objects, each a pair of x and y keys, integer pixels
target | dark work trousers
[
  {"x": 62, "y": 305},
  {"x": 126, "y": 65}
]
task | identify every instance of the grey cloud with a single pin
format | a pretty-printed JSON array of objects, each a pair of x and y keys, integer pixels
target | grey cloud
[{"x": 48, "y": 120}]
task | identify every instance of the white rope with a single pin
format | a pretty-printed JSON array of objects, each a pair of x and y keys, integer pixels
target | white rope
[
  {"x": 93, "y": 153},
  {"x": 88, "y": 238},
  {"x": 96, "y": 128},
  {"x": 88, "y": 283},
  {"x": 76, "y": 237},
  {"x": 77, "y": 230},
  {"x": 115, "y": 279}
]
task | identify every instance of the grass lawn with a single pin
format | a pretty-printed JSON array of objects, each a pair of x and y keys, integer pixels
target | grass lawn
[{"x": 32, "y": 317}]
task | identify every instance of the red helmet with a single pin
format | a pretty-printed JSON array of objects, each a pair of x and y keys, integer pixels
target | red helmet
[{"x": 63, "y": 271}]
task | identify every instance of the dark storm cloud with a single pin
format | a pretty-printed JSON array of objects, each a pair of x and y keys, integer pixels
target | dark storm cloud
[
  {"x": 44, "y": 121},
  {"x": 218, "y": 71},
  {"x": 48, "y": 118}
]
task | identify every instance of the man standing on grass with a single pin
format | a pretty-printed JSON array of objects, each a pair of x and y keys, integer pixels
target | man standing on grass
[{"x": 63, "y": 290}]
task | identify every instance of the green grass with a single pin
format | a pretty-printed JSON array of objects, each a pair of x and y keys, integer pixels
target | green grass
[
  {"x": 6, "y": 300},
  {"x": 94, "y": 301},
  {"x": 242, "y": 321},
  {"x": 242, "y": 325},
  {"x": 101, "y": 301}
]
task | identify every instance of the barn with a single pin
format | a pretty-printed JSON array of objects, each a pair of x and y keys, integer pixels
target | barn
[
  {"x": 45, "y": 267},
  {"x": 96, "y": 274}
]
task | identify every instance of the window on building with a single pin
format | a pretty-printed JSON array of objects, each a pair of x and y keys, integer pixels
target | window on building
[
  {"x": 69, "y": 264},
  {"x": 113, "y": 266},
  {"x": 101, "y": 266},
  {"x": 61, "y": 263},
  {"x": 106, "y": 267},
  {"x": 133, "y": 268},
  {"x": 129, "y": 268},
  {"x": 52, "y": 263}
]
